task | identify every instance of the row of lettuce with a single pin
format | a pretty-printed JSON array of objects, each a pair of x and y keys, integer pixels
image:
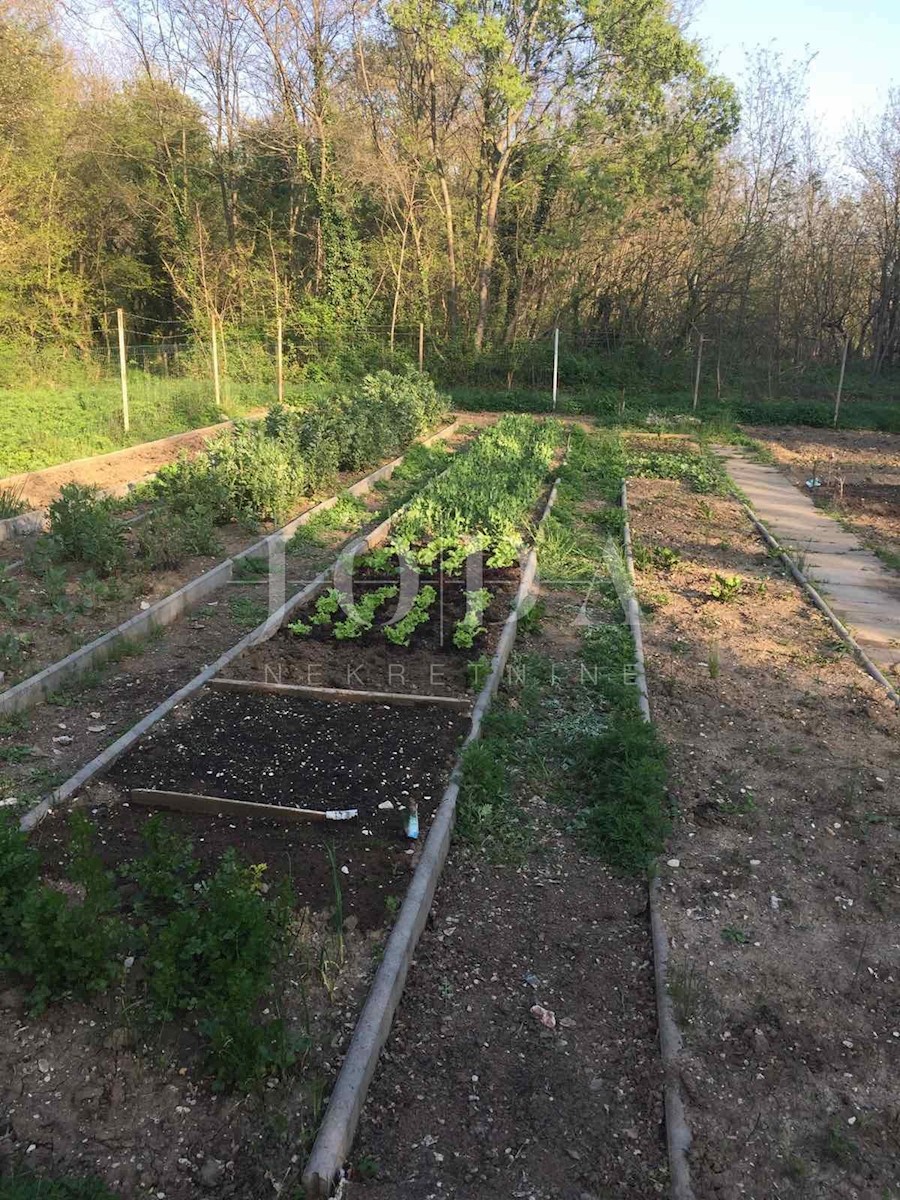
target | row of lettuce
[{"x": 481, "y": 504}]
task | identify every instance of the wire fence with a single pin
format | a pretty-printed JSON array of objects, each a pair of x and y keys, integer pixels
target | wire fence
[{"x": 143, "y": 378}]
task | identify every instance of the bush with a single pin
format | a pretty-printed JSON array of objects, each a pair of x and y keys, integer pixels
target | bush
[
  {"x": 261, "y": 471},
  {"x": 84, "y": 528},
  {"x": 59, "y": 944}
]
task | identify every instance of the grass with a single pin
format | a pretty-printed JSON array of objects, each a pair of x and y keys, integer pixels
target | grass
[
  {"x": 43, "y": 426},
  {"x": 22, "y": 1185}
]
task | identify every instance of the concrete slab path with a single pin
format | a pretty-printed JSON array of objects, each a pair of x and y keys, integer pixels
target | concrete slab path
[{"x": 863, "y": 592}]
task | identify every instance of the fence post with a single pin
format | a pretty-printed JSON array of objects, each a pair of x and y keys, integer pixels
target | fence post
[
  {"x": 837, "y": 399},
  {"x": 555, "y": 365},
  {"x": 279, "y": 362},
  {"x": 421, "y": 345},
  {"x": 697, "y": 376},
  {"x": 215, "y": 359},
  {"x": 123, "y": 369}
]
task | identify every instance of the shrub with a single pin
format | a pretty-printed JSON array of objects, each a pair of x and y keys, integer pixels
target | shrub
[
  {"x": 59, "y": 944},
  {"x": 167, "y": 537},
  {"x": 84, "y": 528}
]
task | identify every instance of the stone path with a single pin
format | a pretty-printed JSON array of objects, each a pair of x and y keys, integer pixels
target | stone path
[{"x": 862, "y": 591}]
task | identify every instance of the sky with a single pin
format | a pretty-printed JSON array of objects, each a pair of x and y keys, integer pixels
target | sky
[{"x": 856, "y": 43}]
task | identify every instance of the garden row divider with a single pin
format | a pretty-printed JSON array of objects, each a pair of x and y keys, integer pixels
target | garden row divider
[
  {"x": 261, "y": 633},
  {"x": 678, "y": 1133},
  {"x": 341, "y": 695},
  {"x": 168, "y": 609},
  {"x": 823, "y": 606},
  {"x": 339, "y": 1124},
  {"x": 22, "y": 526}
]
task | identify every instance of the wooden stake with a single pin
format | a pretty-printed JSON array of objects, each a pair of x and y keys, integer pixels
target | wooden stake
[
  {"x": 340, "y": 695},
  {"x": 697, "y": 376},
  {"x": 555, "y": 365},
  {"x": 215, "y": 359},
  {"x": 123, "y": 369},
  {"x": 212, "y": 806},
  {"x": 837, "y": 399},
  {"x": 279, "y": 362}
]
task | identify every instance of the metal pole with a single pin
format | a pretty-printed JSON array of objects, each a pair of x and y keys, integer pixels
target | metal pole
[
  {"x": 555, "y": 365},
  {"x": 697, "y": 376},
  {"x": 123, "y": 370},
  {"x": 421, "y": 345},
  {"x": 279, "y": 363}
]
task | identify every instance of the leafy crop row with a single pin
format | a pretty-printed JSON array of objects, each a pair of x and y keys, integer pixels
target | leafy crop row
[
  {"x": 260, "y": 471},
  {"x": 484, "y": 499}
]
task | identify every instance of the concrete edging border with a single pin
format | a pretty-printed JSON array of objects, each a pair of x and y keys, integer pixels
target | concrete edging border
[
  {"x": 338, "y": 1128},
  {"x": 168, "y": 609},
  {"x": 678, "y": 1133},
  {"x": 822, "y": 605}
]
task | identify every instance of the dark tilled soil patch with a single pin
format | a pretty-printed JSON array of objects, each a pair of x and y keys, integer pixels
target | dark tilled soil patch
[
  {"x": 431, "y": 664},
  {"x": 305, "y": 753},
  {"x": 474, "y": 1098},
  {"x": 782, "y": 892}
]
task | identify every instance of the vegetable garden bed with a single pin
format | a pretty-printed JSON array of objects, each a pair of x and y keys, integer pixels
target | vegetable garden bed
[{"x": 206, "y": 971}]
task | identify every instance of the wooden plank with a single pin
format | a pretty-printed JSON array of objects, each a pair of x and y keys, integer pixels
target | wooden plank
[
  {"x": 342, "y": 695},
  {"x": 213, "y": 806}
]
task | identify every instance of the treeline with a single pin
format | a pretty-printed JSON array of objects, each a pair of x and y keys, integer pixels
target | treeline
[{"x": 489, "y": 168}]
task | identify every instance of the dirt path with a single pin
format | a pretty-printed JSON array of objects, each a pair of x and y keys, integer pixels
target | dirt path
[
  {"x": 862, "y": 591},
  {"x": 112, "y": 472},
  {"x": 780, "y": 885}
]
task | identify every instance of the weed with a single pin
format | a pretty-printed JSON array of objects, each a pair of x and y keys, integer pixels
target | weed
[
  {"x": 712, "y": 660},
  {"x": 736, "y": 936},
  {"x": 12, "y": 502},
  {"x": 685, "y": 988},
  {"x": 659, "y": 558},
  {"x": 168, "y": 537},
  {"x": 21, "y": 1185},
  {"x": 250, "y": 567},
  {"x": 530, "y": 620},
  {"x": 366, "y": 1168},
  {"x": 247, "y": 612},
  {"x": 477, "y": 671},
  {"x": 488, "y": 817},
  {"x": 623, "y": 775},
  {"x": 59, "y": 945}
]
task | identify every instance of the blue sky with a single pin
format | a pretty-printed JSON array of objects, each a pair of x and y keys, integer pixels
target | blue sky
[{"x": 857, "y": 47}]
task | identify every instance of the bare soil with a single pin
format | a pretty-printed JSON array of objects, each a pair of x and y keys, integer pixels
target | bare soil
[
  {"x": 859, "y": 474},
  {"x": 115, "y": 471},
  {"x": 781, "y": 892}
]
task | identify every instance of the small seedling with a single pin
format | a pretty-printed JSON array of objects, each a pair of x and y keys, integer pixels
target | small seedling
[
  {"x": 735, "y": 936},
  {"x": 726, "y": 587}
]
